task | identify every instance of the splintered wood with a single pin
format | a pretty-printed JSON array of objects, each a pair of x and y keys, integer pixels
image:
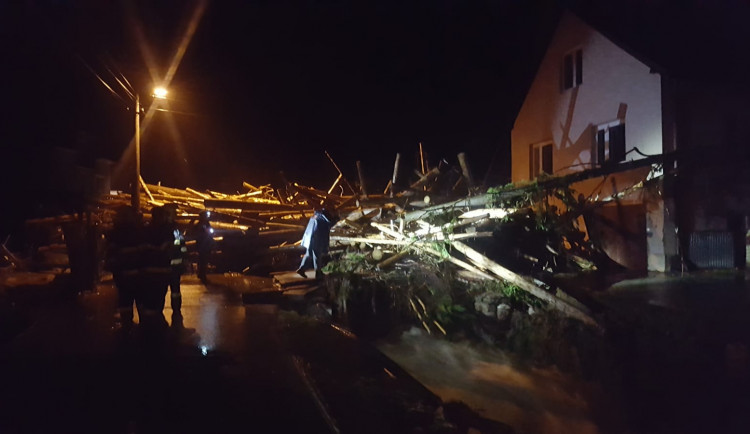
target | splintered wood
[{"x": 401, "y": 222}]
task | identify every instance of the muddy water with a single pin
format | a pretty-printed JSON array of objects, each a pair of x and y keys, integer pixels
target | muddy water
[{"x": 531, "y": 400}]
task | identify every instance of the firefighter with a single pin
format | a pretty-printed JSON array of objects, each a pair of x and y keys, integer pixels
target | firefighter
[
  {"x": 315, "y": 241},
  {"x": 156, "y": 270},
  {"x": 178, "y": 260},
  {"x": 123, "y": 260},
  {"x": 202, "y": 233}
]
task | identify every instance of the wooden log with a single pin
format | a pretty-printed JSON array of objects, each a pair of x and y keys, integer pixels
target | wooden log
[
  {"x": 427, "y": 177},
  {"x": 335, "y": 183},
  {"x": 281, "y": 232},
  {"x": 395, "y": 173},
  {"x": 250, "y": 186},
  {"x": 362, "y": 187},
  {"x": 250, "y": 194},
  {"x": 294, "y": 212},
  {"x": 145, "y": 188},
  {"x": 392, "y": 259},
  {"x": 428, "y": 249},
  {"x": 421, "y": 160},
  {"x": 249, "y": 205},
  {"x": 466, "y": 171},
  {"x": 509, "y": 276},
  {"x": 198, "y": 193},
  {"x": 343, "y": 178},
  {"x": 469, "y": 202},
  {"x": 387, "y": 188},
  {"x": 405, "y": 242},
  {"x": 286, "y": 225},
  {"x": 230, "y": 226}
]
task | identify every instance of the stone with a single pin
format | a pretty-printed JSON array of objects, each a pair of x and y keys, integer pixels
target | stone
[
  {"x": 503, "y": 311},
  {"x": 486, "y": 303}
]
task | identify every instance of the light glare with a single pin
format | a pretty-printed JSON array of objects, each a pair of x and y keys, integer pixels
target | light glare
[{"x": 160, "y": 93}]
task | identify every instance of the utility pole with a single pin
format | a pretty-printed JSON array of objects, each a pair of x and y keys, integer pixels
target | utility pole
[{"x": 136, "y": 194}]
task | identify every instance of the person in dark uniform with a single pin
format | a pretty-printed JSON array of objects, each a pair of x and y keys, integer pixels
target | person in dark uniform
[
  {"x": 177, "y": 261},
  {"x": 123, "y": 260},
  {"x": 156, "y": 270},
  {"x": 315, "y": 241},
  {"x": 202, "y": 233}
]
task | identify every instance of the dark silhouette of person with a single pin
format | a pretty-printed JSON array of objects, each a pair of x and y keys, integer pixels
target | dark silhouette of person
[
  {"x": 177, "y": 261},
  {"x": 123, "y": 259},
  {"x": 156, "y": 269},
  {"x": 202, "y": 233}
]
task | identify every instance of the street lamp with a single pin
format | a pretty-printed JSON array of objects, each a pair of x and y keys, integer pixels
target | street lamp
[{"x": 159, "y": 93}]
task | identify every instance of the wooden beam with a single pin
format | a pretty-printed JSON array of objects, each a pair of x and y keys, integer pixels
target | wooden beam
[
  {"x": 509, "y": 276},
  {"x": 395, "y": 173},
  {"x": 465, "y": 170},
  {"x": 362, "y": 187}
]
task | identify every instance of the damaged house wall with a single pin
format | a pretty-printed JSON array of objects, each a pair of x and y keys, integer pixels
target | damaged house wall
[{"x": 611, "y": 90}]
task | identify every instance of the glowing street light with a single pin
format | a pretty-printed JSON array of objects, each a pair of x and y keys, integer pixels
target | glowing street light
[{"x": 159, "y": 93}]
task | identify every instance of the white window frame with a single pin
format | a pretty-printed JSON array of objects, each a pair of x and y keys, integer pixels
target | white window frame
[{"x": 536, "y": 158}]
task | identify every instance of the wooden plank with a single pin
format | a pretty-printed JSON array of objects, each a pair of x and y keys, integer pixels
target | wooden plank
[
  {"x": 248, "y": 205},
  {"x": 509, "y": 276},
  {"x": 395, "y": 173},
  {"x": 427, "y": 249}
]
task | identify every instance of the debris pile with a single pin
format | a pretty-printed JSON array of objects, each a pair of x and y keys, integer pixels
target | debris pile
[{"x": 516, "y": 234}]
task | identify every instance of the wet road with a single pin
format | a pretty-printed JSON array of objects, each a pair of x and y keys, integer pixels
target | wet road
[
  {"x": 72, "y": 371},
  {"x": 684, "y": 349}
]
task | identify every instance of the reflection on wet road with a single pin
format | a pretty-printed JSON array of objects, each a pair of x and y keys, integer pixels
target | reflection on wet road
[
  {"x": 531, "y": 400},
  {"x": 73, "y": 371}
]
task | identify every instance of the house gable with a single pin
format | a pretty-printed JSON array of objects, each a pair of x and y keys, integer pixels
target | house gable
[{"x": 586, "y": 84}]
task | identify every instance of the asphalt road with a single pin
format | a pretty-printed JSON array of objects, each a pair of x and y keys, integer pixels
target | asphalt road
[{"x": 72, "y": 371}]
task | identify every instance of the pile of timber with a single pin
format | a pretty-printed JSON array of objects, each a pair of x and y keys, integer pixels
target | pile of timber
[
  {"x": 391, "y": 235},
  {"x": 393, "y": 224}
]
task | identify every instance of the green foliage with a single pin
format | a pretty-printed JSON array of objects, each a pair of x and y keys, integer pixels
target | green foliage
[
  {"x": 452, "y": 315},
  {"x": 348, "y": 263},
  {"x": 517, "y": 296}
]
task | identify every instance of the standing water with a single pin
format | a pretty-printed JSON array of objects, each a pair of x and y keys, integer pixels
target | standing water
[{"x": 531, "y": 400}]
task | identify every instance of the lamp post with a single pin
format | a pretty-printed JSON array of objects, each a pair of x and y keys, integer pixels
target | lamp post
[
  {"x": 136, "y": 196},
  {"x": 160, "y": 93}
]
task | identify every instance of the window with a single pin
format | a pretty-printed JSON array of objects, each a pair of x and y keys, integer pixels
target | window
[
  {"x": 610, "y": 143},
  {"x": 572, "y": 69},
  {"x": 540, "y": 159}
]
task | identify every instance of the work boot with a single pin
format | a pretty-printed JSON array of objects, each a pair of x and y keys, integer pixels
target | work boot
[{"x": 177, "y": 321}]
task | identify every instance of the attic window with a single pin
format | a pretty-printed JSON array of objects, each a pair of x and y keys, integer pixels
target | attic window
[
  {"x": 610, "y": 143},
  {"x": 541, "y": 159},
  {"x": 572, "y": 69}
]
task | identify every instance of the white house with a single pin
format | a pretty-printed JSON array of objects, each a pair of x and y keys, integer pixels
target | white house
[{"x": 591, "y": 104}]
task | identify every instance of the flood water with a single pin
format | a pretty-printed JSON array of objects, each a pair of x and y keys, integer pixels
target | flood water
[
  {"x": 681, "y": 352},
  {"x": 530, "y": 400}
]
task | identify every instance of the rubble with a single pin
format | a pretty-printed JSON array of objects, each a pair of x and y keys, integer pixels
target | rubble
[{"x": 458, "y": 225}]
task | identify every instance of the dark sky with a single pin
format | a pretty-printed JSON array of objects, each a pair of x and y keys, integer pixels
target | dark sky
[
  {"x": 266, "y": 86},
  {"x": 269, "y": 85}
]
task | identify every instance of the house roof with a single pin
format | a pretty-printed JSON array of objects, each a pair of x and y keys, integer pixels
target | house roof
[{"x": 706, "y": 41}]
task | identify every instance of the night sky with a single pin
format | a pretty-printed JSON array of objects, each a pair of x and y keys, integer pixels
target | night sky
[{"x": 266, "y": 86}]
